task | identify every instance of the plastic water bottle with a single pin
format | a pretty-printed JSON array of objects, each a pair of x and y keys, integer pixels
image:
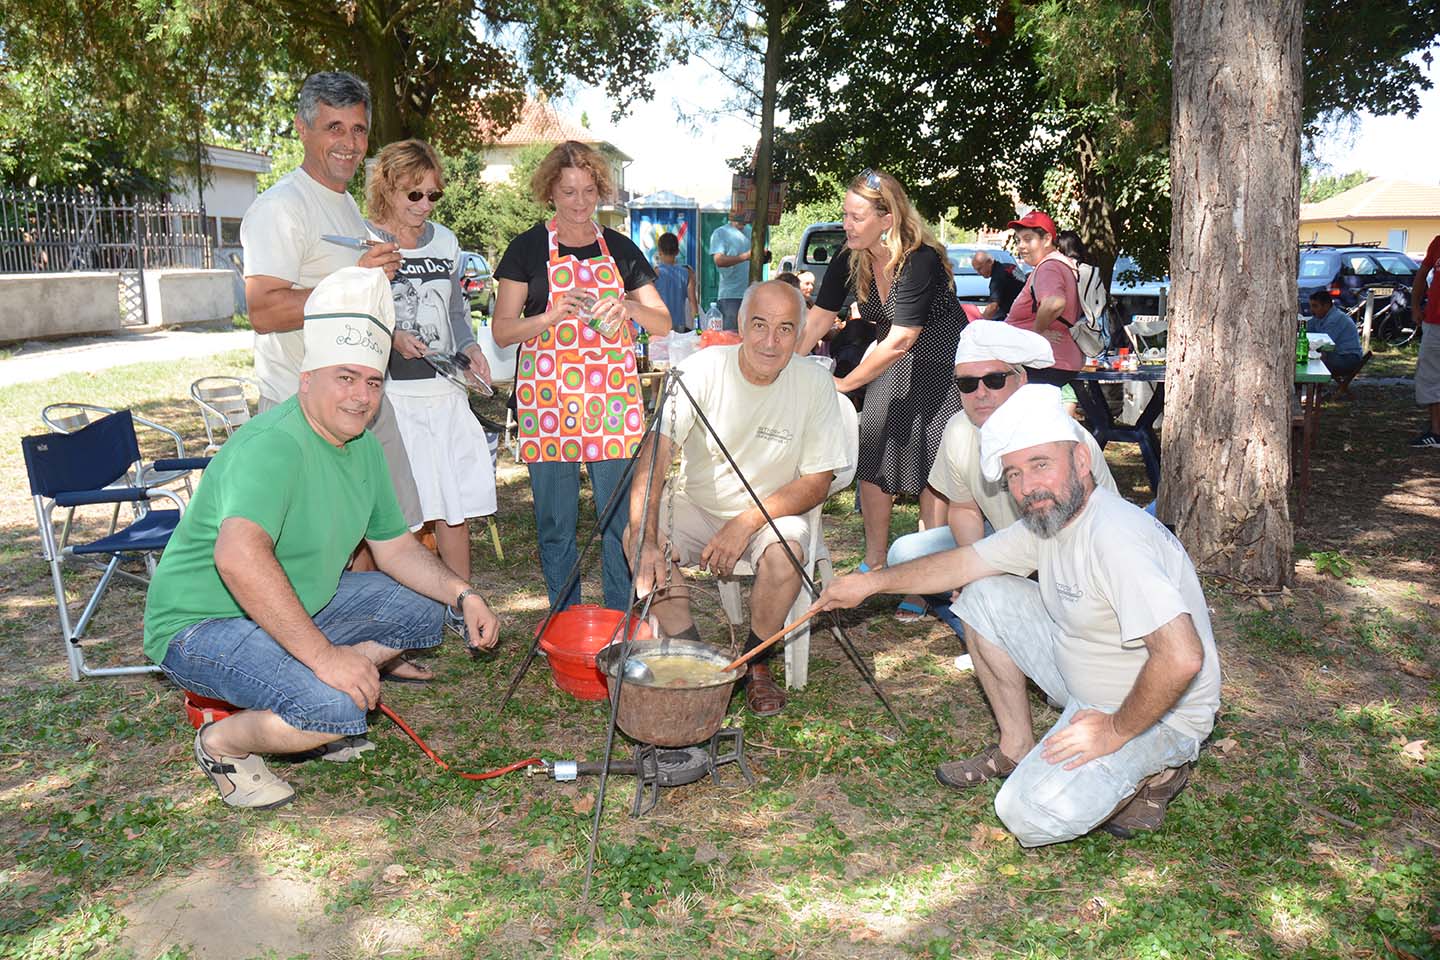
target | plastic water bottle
[{"x": 714, "y": 319}]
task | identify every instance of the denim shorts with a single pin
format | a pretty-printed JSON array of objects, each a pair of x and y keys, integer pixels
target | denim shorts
[
  {"x": 1042, "y": 802},
  {"x": 236, "y": 661}
]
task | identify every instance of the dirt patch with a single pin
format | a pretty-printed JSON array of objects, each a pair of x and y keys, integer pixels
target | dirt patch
[{"x": 221, "y": 913}]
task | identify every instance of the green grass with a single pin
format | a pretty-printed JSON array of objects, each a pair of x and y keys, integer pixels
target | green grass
[{"x": 1308, "y": 830}]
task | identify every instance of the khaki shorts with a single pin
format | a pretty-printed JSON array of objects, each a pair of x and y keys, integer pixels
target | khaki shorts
[{"x": 688, "y": 529}]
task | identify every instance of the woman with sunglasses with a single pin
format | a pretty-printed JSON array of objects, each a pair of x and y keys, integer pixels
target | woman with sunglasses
[
  {"x": 445, "y": 444},
  {"x": 569, "y": 293},
  {"x": 900, "y": 276}
]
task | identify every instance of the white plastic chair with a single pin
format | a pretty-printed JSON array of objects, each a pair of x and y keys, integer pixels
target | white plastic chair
[
  {"x": 797, "y": 644},
  {"x": 225, "y": 405}
]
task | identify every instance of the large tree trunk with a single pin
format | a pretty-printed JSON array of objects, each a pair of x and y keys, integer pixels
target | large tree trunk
[{"x": 1235, "y": 183}]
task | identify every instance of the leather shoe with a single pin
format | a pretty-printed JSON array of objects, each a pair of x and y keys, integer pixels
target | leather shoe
[{"x": 762, "y": 694}]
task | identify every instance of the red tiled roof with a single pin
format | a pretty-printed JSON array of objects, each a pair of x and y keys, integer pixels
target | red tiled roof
[
  {"x": 539, "y": 123},
  {"x": 1377, "y": 198}
]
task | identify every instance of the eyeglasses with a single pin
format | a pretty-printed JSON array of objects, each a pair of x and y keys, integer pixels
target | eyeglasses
[
  {"x": 872, "y": 178},
  {"x": 992, "y": 381},
  {"x": 417, "y": 195}
]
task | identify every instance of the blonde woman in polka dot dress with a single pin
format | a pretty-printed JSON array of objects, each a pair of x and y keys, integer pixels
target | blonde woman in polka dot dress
[{"x": 900, "y": 275}]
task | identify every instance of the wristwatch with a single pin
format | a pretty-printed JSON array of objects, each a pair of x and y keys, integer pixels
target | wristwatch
[{"x": 460, "y": 600}]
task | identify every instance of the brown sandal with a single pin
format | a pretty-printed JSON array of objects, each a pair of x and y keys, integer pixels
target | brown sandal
[
  {"x": 762, "y": 694},
  {"x": 988, "y": 764},
  {"x": 1145, "y": 809}
]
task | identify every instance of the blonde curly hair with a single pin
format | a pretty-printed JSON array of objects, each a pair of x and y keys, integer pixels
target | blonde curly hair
[
  {"x": 571, "y": 153},
  {"x": 907, "y": 233}
]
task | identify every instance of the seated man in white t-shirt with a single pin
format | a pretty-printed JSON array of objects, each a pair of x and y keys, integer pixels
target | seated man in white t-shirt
[
  {"x": 780, "y": 421},
  {"x": 1116, "y": 631},
  {"x": 991, "y": 360}
]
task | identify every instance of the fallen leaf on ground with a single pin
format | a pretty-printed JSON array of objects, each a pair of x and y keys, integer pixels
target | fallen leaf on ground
[
  {"x": 583, "y": 805},
  {"x": 1009, "y": 869},
  {"x": 1418, "y": 669},
  {"x": 1415, "y": 750},
  {"x": 1226, "y": 745},
  {"x": 394, "y": 873}
]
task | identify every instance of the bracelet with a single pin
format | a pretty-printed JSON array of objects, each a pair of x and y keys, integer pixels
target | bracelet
[{"x": 460, "y": 600}]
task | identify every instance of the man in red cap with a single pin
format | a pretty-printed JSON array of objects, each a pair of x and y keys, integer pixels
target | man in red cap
[{"x": 1049, "y": 303}]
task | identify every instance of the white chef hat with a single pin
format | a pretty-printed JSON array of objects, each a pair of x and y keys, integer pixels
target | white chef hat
[
  {"x": 349, "y": 317},
  {"x": 998, "y": 340},
  {"x": 1031, "y": 416}
]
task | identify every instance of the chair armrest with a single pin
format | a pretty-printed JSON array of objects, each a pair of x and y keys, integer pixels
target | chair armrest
[
  {"x": 152, "y": 425},
  {"x": 79, "y": 498},
  {"x": 184, "y": 463}
]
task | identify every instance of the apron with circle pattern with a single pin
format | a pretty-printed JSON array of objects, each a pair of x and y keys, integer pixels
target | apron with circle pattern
[{"x": 577, "y": 396}]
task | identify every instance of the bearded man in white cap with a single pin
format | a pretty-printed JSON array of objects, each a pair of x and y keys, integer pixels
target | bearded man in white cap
[
  {"x": 992, "y": 361},
  {"x": 1116, "y": 631},
  {"x": 251, "y": 603}
]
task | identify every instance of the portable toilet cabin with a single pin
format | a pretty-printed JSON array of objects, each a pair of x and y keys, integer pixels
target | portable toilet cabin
[{"x": 665, "y": 212}]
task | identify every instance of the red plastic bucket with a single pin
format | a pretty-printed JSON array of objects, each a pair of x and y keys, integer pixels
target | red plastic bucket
[
  {"x": 201, "y": 710},
  {"x": 571, "y": 641}
]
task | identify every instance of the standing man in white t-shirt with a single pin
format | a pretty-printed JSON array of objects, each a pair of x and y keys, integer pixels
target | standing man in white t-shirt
[
  {"x": 285, "y": 257},
  {"x": 1116, "y": 631},
  {"x": 780, "y": 420}
]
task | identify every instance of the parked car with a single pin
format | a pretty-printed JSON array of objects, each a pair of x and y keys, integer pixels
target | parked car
[
  {"x": 970, "y": 287},
  {"x": 1133, "y": 292},
  {"x": 819, "y": 244},
  {"x": 1349, "y": 272},
  {"x": 478, "y": 282}
]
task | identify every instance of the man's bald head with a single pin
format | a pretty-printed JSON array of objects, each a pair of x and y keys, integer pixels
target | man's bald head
[{"x": 982, "y": 262}]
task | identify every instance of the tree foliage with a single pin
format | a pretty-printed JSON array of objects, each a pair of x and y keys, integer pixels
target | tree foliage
[
  {"x": 487, "y": 216},
  {"x": 153, "y": 78},
  {"x": 943, "y": 96},
  {"x": 1315, "y": 186}
]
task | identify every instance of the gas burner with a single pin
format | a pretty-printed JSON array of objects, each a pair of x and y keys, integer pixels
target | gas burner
[{"x": 655, "y": 767}]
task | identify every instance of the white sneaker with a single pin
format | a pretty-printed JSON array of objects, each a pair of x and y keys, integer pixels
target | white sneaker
[{"x": 242, "y": 781}]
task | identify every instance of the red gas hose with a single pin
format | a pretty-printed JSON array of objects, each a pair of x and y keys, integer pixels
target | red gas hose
[{"x": 498, "y": 772}]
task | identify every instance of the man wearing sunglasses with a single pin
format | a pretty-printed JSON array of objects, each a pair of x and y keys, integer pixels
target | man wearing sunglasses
[
  {"x": 992, "y": 361},
  {"x": 286, "y": 256}
]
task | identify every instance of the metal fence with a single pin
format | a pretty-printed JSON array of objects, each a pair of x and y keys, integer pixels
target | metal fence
[{"x": 59, "y": 231}]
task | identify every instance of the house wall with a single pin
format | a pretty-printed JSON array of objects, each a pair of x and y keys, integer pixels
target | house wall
[
  {"x": 228, "y": 194},
  {"x": 1419, "y": 231}
]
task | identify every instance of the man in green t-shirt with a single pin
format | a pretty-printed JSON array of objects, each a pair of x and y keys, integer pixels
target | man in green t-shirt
[{"x": 251, "y": 602}]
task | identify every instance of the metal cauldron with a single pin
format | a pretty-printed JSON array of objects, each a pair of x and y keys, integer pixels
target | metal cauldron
[{"x": 669, "y": 716}]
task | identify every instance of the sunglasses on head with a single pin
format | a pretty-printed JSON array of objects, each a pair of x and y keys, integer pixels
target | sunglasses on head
[
  {"x": 872, "y": 178},
  {"x": 417, "y": 195},
  {"x": 992, "y": 381}
]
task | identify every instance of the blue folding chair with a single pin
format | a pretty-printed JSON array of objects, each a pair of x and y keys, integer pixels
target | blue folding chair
[{"x": 70, "y": 470}]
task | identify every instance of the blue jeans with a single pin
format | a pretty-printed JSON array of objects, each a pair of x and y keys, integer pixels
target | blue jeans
[
  {"x": 913, "y": 546},
  {"x": 236, "y": 661},
  {"x": 555, "y": 491},
  {"x": 730, "y": 312}
]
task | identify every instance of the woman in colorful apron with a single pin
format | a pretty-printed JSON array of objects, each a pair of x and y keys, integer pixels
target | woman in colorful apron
[{"x": 569, "y": 294}]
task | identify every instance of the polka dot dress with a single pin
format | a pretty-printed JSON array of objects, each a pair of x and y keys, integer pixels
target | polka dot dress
[{"x": 906, "y": 409}]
